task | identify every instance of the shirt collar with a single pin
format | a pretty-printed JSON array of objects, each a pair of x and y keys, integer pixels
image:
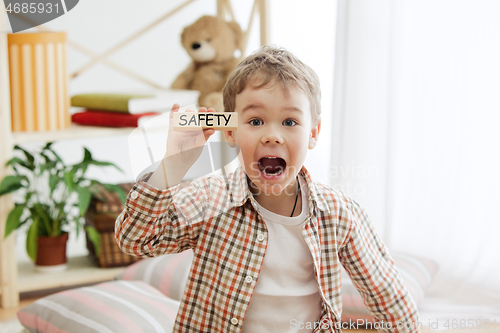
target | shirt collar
[{"x": 238, "y": 189}]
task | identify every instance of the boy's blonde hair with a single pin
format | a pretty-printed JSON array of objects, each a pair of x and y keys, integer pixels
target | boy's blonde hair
[{"x": 270, "y": 64}]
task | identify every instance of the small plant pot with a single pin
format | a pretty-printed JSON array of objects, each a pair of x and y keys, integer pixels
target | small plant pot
[{"x": 51, "y": 254}]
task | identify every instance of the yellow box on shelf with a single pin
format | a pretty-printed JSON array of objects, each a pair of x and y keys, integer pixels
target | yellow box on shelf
[{"x": 38, "y": 81}]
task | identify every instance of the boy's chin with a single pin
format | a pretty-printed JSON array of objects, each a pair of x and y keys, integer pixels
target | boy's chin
[{"x": 268, "y": 188}]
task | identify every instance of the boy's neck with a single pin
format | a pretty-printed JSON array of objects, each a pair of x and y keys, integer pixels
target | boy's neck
[{"x": 282, "y": 203}]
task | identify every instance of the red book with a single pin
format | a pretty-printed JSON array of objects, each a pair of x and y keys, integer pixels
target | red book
[{"x": 109, "y": 119}]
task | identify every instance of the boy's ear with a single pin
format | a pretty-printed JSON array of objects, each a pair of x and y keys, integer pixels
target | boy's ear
[
  {"x": 313, "y": 137},
  {"x": 229, "y": 136}
]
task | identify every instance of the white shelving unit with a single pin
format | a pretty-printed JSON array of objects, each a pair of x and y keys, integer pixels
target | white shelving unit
[
  {"x": 21, "y": 277},
  {"x": 70, "y": 133},
  {"x": 81, "y": 270}
]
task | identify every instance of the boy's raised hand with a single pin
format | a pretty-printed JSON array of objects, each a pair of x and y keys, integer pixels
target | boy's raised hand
[
  {"x": 187, "y": 145},
  {"x": 183, "y": 149}
]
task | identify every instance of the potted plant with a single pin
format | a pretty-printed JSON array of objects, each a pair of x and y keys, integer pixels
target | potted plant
[{"x": 49, "y": 197}]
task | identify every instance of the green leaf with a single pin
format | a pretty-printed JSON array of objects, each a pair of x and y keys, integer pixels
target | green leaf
[
  {"x": 11, "y": 183},
  {"x": 45, "y": 157},
  {"x": 102, "y": 163},
  {"x": 13, "y": 219},
  {"x": 88, "y": 160},
  {"x": 56, "y": 227},
  {"x": 87, "y": 156},
  {"x": 94, "y": 237},
  {"x": 25, "y": 221},
  {"x": 30, "y": 160},
  {"x": 48, "y": 145},
  {"x": 32, "y": 239},
  {"x": 49, "y": 165},
  {"x": 80, "y": 166},
  {"x": 53, "y": 181},
  {"x": 16, "y": 161},
  {"x": 84, "y": 197},
  {"x": 59, "y": 205},
  {"x": 49, "y": 148},
  {"x": 42, "y": 212},
  {"x": 28, "y": 196},
  {"x": 68, "y": 179},
  {"x": 76, "y": 221},
  {"x": 118, "y": 190}
]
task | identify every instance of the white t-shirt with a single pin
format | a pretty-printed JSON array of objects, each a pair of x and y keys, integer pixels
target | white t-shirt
[{"x": 286, "y": 294}]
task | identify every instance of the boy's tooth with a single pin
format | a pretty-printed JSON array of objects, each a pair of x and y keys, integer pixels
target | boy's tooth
[{"x": 273, "y": 174}]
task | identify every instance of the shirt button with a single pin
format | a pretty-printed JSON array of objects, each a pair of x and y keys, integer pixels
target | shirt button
[
  {"x": 134, "y": 195},
  {"x": 234, "y": 321},
  {"x": 248, "y": 279},
  {"x": 260, "y": 237}
]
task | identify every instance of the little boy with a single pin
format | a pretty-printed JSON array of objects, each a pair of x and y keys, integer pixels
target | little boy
[{"x": 268, "y": 241}]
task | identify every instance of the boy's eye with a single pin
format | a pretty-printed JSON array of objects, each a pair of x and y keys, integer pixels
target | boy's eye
[
  {"x": 255, "y": 122},
  {"x": 290, "y": 122}
]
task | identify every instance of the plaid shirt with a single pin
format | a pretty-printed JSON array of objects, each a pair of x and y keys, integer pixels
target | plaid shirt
[{"x": 218, "y": 219}]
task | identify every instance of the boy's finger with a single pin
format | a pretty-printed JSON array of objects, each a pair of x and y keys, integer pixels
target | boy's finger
[
  {"x": 175, "y": 107},
  {"x": 208, "y": 133},
  {"x": 203, "y": 136}
]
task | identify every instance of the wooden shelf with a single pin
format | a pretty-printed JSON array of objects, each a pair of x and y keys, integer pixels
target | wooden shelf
[
  {"x": 81, "y": 270},
  {"x": 72, "y": 132}
]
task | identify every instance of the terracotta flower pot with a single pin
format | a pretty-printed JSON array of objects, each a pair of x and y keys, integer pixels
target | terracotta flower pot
[{"x": 51, "y": 253}]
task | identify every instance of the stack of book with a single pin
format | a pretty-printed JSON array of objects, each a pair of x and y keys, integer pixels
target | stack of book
[{"x": 127, "y": 110}]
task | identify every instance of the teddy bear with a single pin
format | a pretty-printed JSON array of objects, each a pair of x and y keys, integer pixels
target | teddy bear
[{"x": 211, "y": 43}]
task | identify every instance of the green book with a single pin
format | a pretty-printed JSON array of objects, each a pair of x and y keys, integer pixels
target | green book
[{"x": 135, "y": 103}]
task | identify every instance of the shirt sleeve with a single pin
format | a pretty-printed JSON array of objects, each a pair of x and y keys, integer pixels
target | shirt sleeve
[
  {"x": 156, "y": 222},
  {"x": 372, "y": 271}
]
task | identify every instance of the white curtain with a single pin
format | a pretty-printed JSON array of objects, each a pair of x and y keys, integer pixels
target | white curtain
[{"x": 416, "y": 138}]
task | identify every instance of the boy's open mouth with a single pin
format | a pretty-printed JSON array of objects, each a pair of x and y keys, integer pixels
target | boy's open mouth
[{"x": 272, "y": 166}]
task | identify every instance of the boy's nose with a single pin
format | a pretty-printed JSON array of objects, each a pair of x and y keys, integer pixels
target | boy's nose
[{"x": 272, "y": 138}]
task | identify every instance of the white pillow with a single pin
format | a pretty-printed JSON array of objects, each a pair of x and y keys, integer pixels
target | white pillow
[
  {"x": 167, "y": 273},
  {"x": 117, "y": 306}
]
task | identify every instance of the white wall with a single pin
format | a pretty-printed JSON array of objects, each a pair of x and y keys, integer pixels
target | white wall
[
  {"x": 305, "y": 28},
  {"x": 420, "y": 101},
  {"x": 360, "y": 126}
]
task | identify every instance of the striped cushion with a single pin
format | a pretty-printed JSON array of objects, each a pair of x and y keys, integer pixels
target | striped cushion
[
  {"x": 117, "y": 306},
  {"x": 417, "y": 273},
  {"x": 167, "y": 273}
]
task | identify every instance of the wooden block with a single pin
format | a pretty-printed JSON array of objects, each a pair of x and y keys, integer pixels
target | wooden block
[{"x": 219, "y": 121}]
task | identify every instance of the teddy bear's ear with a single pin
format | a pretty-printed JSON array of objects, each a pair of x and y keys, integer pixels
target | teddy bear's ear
[
  {"x": 238, "y": 33},
  {"x": 183, "y": 35}
]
